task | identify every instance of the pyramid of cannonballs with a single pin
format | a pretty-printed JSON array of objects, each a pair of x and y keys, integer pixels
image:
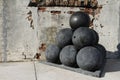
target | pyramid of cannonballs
[{"x": 77, "y": 46}]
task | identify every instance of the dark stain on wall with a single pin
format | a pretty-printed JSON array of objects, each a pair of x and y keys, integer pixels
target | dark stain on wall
[
  {"x": 101, "y": 26},
  {"x": 37, "y": 56},
  {"x": 70, "y": 12},
  {"x": 55, "y": 12},
  {"x": 25, "y": 57},
  {"x": 42, "y": 47},
  {"x": 30, "y": 19},
  {"x": 43, "y": 9}
]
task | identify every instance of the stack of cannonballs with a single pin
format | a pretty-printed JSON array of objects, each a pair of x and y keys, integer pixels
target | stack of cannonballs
[{"x": 77, "y": 46}]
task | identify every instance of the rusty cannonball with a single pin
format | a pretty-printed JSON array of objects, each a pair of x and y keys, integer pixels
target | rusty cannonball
[
  {"x": 82, "y": 37},
  {"x": 64, "y": 37},
  {"x": 88, "y": 58},
  {"x": 52, "y": 53},
  {"x": 68, "y": 55},
  {"x": 79, "y": 19}
]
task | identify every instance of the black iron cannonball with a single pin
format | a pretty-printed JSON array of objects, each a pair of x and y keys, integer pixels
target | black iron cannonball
[
  {"x": 64, "y": 37},
  {"x": 68, "y": 56},
  {"x": 102, "y": 49},
  {"x": 79, "y": 19},
  {"x": 52, "y": 53},
  {"x": 88, "y": 58},
  {"x": 96, "y": 37},
  {"x": 102, "y": 55},
  {"x": 82, "y": 37}
]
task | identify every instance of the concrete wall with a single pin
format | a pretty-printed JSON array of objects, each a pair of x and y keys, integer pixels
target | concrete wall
[{"x": 28, "y": 34}]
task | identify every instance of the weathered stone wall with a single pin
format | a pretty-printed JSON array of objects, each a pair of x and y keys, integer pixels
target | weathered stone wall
[
  {"x": 28, "y": 30},
  {"x": 20, "y": 29},
  {"x": 106, "y": 22}
]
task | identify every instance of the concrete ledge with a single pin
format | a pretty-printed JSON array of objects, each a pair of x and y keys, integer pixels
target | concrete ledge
[{"x": 97, "y": 73}]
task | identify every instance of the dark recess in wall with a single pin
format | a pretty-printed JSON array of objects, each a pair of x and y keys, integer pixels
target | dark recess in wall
[{"x": 64, "y": 3}]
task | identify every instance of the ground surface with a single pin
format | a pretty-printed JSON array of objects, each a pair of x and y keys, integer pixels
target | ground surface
[{"x": 39, "y": 71}]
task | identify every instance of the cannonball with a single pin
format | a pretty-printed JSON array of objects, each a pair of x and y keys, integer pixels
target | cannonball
[
  {"x": 102, "y": 55},
  {"x": 96, "y": 37},
  {"x": 52, "y": 53},
  {"x": 79, "y": 19},
  {"x": 82, "y": 37},
  {"x": 64, "y": 37},
  {"x": 68, "y": 55},
  {"x": 88, "y": 58},
  {"x": 102, "y": 49}
]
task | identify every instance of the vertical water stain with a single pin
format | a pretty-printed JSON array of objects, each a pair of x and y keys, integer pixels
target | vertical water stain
[{"x": 51, "y": 34}]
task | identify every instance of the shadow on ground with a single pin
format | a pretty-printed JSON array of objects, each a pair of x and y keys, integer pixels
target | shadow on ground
[
  {"x": 113, "y": 60},
  {"x": 112, "y": 65}
]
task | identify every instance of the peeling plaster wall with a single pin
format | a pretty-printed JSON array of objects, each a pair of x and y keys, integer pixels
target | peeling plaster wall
[
  {"x": 21, "y": 39},
  {"x": 28, "y": 30},
  {"x": 51, "y": 20},
  {"x": 106, "y": 23}
]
